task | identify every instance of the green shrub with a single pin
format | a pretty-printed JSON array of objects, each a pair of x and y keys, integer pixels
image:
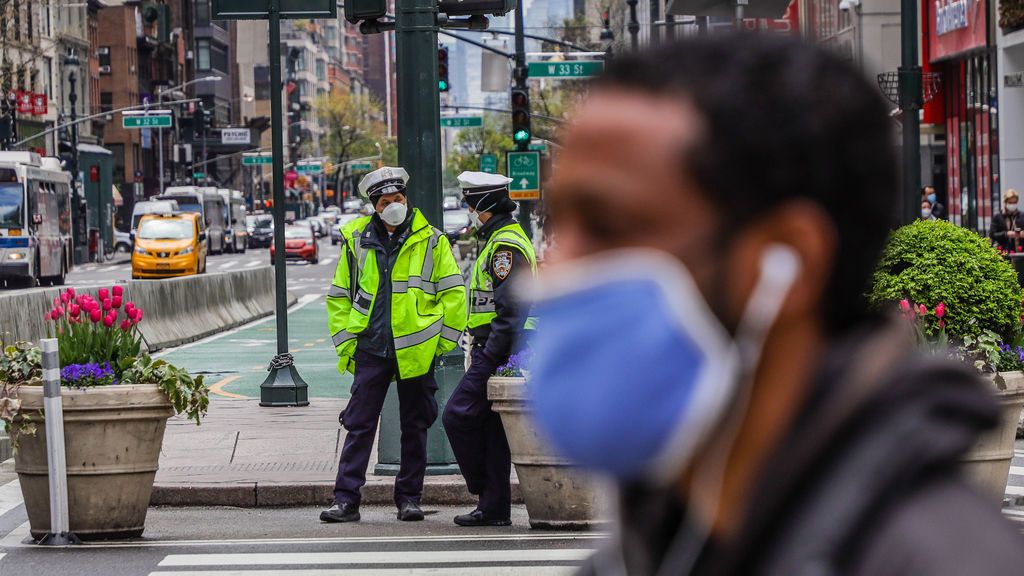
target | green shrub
[{"x": 929, "y": 262}]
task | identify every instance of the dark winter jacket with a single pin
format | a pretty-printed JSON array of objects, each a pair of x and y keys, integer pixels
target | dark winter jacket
[
  {"x": 1003, "y": 222},
  {"x": 865, "y": 483}
]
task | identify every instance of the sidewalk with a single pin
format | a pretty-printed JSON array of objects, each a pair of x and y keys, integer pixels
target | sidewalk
[{"x": 247, "y": 456}]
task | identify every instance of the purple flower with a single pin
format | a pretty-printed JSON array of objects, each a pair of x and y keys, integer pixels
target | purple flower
[{"x": 84, "y": 375}]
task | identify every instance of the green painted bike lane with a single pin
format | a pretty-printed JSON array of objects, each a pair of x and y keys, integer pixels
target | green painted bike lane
[{"x": 235, "y": 364}]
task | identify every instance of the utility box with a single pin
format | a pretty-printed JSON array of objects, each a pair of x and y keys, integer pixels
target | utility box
[
  {"x": 357, "y": 10},
  {"x": 440, "y": 459},
  {"x": 475, "y": 7}
]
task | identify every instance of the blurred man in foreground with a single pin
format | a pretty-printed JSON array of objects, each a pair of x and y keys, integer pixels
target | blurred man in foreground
[{"x": 703, "y": 336}]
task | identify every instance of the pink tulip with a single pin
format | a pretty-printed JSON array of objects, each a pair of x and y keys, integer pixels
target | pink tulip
[
  {"x": 59, "y": 310},
  {"x": 126, "y": 325},
  {"x": 138, "y": 315},
  {"x": 65, "y": 297},
  {"x": 74, "y": 320},
  {"x": 942, "y": 324},
  {"x": 905, "y": 305},
  {"x": 56, "y": 301},
  {"x": 104, "y": 293},
  {"x": 95, "y": 315},
  {"x": 107, "y": 304},
  {"x": 71, "y": 292},
  {"x": 129, "y": 306},
  {"x": 118, "y": 291},
  {"x": 108, "y": 321},
  {"x": 940, "y": 310},
  {"x": 116, "y": 301},
  {"x": 46, "y": 317},
  {"x": 54, "y": 315},
  {"x": 76, "y": 310},
  {"x": 922, "y": 310}
]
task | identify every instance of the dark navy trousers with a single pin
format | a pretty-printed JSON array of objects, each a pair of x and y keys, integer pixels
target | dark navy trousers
[
  {"x": 417, "y": 408},
  {"x": 478, "y": 439}
]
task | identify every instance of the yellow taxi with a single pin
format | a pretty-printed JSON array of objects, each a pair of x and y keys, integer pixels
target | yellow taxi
[{"x": 169, "y": 245}]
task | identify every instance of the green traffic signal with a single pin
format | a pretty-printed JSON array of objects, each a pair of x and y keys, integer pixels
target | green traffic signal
[
  {"x": 521, "y": 136},
  {"x": 442, "y": 85}
]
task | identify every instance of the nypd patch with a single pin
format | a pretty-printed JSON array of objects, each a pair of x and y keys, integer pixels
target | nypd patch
[{"x": 502, "y": 264}]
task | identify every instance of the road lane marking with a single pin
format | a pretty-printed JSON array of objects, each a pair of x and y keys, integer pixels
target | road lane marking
[
  {"x": 1017, "y": 470},
  {"x": 303, "y": 301},
  {"x": 1014, "y": 490},
  {"x": 218, "y": 388},
  {"x": 416, "y": 558},
  {"x": 446, "y": 571},
  {"x": 229, "y": 264},
  {"x": 326, "y": 261},
  {"x": 253, "y": 263},
  {"x": 15, "y": 537},
  {"x": 10, "y": 497}
]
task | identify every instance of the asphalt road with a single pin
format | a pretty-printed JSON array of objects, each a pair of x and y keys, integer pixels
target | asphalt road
[{"x": 302, "y": 278}]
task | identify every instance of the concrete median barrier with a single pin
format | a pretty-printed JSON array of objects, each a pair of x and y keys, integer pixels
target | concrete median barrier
[{"x": 177, "y": 310}]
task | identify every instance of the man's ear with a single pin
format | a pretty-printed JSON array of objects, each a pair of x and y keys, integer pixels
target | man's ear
[{"x": 802, "y": 225}]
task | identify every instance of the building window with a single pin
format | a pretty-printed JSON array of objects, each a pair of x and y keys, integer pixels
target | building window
[
  {"x": 202, "y": 53},
  {"x": 103, "y": 54},
  {"x": 202, "y": 13},
  {"x": 218, "y": 58},
  {"x": 321, "y": 70},
  {"x": 261, "y": 76},
  {"x": 106, "y": 101}
]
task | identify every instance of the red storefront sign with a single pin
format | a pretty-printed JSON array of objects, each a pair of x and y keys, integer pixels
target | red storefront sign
[
  {"x": 788, "y": 25},
  {"x": 24, "y": 102},
  {"x": 955, "y": 27},
  {"x": 38, "y": 104}
]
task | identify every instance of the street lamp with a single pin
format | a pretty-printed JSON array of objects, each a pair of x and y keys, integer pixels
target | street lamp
[
  {"x": 160, "y": 131},
  {"x": 78, "y": 207}
]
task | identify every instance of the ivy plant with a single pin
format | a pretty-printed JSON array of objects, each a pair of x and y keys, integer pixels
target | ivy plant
[{"x": 188, "y": 395}]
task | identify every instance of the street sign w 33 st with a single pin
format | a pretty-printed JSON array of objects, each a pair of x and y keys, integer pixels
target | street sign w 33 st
[
  {"x": 574, "y": 69},
  {"x": 524, "y": 170}
]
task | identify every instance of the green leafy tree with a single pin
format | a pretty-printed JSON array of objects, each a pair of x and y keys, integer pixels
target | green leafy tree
[
  {"x": 494, "y": 137},
  {"x": 354, "y": 124}
]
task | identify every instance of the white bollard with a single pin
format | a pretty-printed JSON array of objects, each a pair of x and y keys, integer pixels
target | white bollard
[{"x": 53, "y": 408}]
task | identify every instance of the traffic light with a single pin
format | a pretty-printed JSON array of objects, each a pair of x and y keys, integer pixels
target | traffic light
[
  {"x": 207, "y": 119},
  {"x": 442, "y": 69},
  {"x": 521, "y": 132},
  {"x": 356, "y": 10}
]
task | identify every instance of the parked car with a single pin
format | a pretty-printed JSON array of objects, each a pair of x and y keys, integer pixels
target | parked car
[
  {"x": 299, "y": 244},
  {"x": 336, "y": 229},
  {"x": 352, "y": 205},
  {"x": 122, "y": 242},
  {"x": 261, "y": 234},
  {"x": 169, "y": 245},
  {"x": 319, "y": 226},
  {"x": 456, "y": 222}
]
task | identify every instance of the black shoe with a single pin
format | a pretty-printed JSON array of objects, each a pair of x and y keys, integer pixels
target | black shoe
[
  {"x": 477, "y": 518},
  {"x": 410, "y": 512},
  {"x": 341, "y": 512}
]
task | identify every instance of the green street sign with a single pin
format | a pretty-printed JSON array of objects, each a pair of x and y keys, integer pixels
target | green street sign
[
  {"x": 198, "y": 175},
  {"x": 573, "y": 69},
  {"x": 524, "y": 170},
  {"x": 163, "y": 121},
  {"x": 254, "y": 160},
  {"x": 360, "y": 167},
  {"x": 462, "y": 121},
  {"x": 489, "y": 163},
  {"x": 312, "y": 168},
  {"x": 539, "y": 146},
  {"x": 260, "y": 9}
]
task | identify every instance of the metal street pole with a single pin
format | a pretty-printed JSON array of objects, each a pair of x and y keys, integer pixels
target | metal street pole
[
  {"x": 419, "y": 120},
  {"x": 283, "y": 386},
  {"x": 160, "y": 135},
  {"x": 634, "y": 26},
  {"x": 521, "y": 74},
  {"x": 910, "y": 103}
]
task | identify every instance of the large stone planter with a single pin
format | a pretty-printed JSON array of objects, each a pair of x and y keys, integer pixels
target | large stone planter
[
  {"x": 557, "y": 495},
  {"x": 113, "y": 436},
  {"x": 987, "y": 464}
]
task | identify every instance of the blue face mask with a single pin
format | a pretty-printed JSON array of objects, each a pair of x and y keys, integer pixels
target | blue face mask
[
  {"x": 631, "y": 370},
  {"x": 931, "y": 199}
]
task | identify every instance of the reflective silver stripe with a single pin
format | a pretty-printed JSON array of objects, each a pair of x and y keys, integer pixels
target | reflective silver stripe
[
  {"x": 338, "y": 292},
  {"x": 482, "y": 308},
  {"x": 357, "y": 306},
  {"x": 450, "y": 282},
  {"x": 419, "y": 337},
  {"x": 342, "y": 337},
  {"x": 511, "y": 239},
  {"x": 428, "y": 257},
  {"x": 450, "y": 334}
]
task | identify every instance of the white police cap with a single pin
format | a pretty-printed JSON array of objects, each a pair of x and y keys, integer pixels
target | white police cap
[
  {"x": 386, "y": 180},
  {"x": 472, "y": 180}
]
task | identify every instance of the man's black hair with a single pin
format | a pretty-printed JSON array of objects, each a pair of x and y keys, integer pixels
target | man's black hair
[{"x": 784, "y": 121}]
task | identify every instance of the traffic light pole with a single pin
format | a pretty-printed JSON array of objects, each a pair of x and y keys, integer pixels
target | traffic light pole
[
  {"x": 419, "y": 120},
  {"x": 521, "y": 73},
  {"x": 283, "y": 386}
]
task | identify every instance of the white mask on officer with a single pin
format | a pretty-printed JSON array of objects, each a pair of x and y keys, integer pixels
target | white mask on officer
[{"x": 394, "y": 214}]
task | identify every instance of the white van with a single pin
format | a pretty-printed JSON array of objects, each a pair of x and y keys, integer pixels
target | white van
[{"x": 150, "y": 207}]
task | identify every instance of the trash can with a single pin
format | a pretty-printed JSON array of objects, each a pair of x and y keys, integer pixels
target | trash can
[{"x": 440, "y": 459}]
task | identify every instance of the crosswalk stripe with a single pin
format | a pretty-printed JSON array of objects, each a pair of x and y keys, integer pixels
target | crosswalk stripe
[
  {"x": 253, "y": 263},
  {"x": 1015, "y": 490},
  {"x": 327, "y": 260},
  {"x": 491, "y": 571},
  {"x": 371, "y": 558},
  {"x": 229, "y": 264},
  {"x": 10, "y": 497},
  {"x": 1017, "y": 470}
]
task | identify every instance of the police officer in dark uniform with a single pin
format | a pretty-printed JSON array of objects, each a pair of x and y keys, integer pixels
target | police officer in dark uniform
[{"x": 496, "y": 321}]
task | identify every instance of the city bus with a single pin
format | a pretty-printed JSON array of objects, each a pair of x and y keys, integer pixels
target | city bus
[
  {"x": 35, "y": 220},
  {"x": 236, "y": 236},
  {"x": 206, "y": 202}
]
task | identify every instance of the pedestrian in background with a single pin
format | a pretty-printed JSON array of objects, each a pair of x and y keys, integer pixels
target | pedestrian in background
[
  {"x": 497, "y": 319},
  {"x": 397, "y": 302},
  {"x": 704, "y": 338},
  {"x": 1008, "y": 223},
  {"x": 927, "y": 212},
  {"x": 938, "y": 210}
]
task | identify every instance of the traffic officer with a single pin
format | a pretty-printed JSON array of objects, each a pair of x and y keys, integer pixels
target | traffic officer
[
  {"x": 496, "y": 321},
  {"x": 397, "y": 302}
]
